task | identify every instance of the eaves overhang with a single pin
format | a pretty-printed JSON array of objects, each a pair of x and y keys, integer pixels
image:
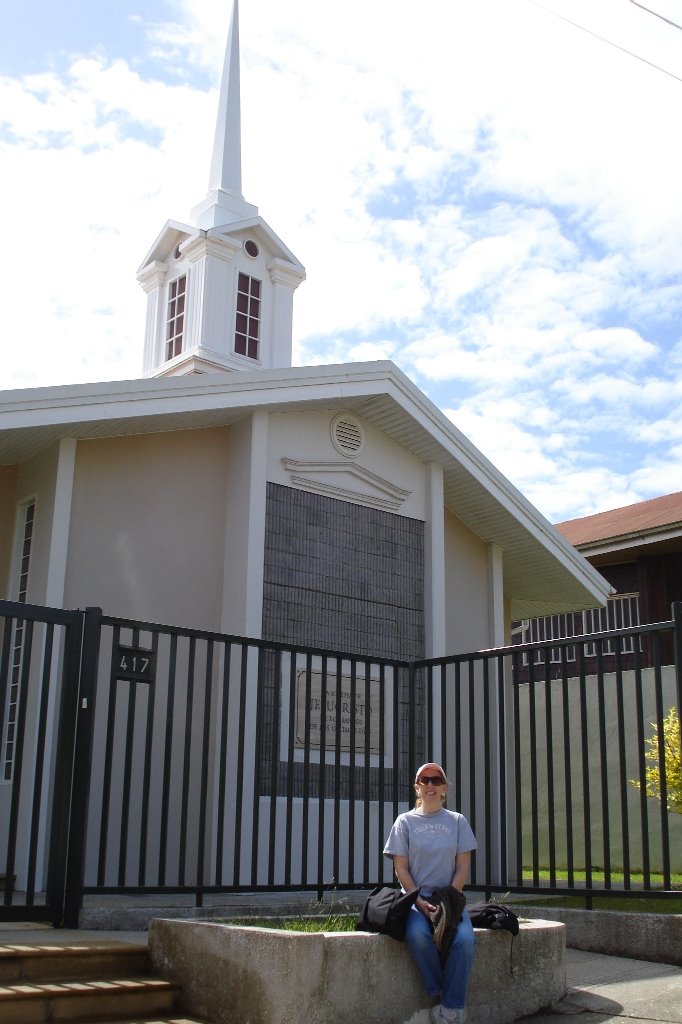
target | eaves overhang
[{"x": 543, "y": 573}]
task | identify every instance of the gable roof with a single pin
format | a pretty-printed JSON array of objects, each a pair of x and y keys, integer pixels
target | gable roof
[
  {"x": 543, "y": 572},
  {"x": 654, "y": 520}
]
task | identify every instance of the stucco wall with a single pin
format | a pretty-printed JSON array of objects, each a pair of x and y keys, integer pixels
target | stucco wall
[
  {"x": 466, "y": 594},
  {"x": 148, "y": 526},
  {"x": 246, "y": 471}
]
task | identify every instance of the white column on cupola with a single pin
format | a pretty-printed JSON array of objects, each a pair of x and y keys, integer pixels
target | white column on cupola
[
  {"x": 153, "y": 278},
  {"x": 227, "y": 262},
  {"x": 209, "y": 266}
]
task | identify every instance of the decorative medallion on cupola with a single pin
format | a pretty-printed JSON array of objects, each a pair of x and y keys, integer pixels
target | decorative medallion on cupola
[{"x": 220, "y": 290}]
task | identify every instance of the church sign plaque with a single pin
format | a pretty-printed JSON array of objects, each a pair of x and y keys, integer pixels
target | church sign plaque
[{"x": 330, "y": 717}]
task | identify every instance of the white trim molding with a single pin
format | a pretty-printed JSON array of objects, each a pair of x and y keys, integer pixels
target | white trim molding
[{"x": 376, "y": 492}]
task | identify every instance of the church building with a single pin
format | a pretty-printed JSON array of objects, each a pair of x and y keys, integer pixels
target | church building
[{"x": 225, "y": 489}]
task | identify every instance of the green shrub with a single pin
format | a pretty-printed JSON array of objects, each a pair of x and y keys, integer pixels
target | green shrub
[{"x": 672, "y": 760}]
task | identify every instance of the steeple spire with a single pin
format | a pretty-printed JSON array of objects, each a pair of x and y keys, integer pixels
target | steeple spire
[
  {"x": 226, "y": 165},
  {"x": 225, "y": 203}
]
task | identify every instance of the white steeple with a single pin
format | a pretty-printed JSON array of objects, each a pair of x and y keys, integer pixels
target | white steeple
[{"x": 220, "y": 290}]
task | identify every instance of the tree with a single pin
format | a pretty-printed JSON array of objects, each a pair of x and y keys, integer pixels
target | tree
[{"x": 672, "y": 759}]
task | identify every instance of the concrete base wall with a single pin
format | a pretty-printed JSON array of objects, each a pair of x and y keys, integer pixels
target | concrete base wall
[
  {"x": 244, "y": 975},
  {"x": 655, "y": 937}
]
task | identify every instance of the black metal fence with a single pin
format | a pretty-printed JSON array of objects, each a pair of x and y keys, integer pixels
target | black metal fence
[
  {"x": 554, "y": 751},
  {"x": 152, "y": 759}
]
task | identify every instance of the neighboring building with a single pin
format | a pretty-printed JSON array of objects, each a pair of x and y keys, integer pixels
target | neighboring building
[
  {"x": 327, "y": 505},
  {"x": 638, "y": 550}
]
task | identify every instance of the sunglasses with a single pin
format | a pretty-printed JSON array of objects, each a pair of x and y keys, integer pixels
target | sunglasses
[{"x": 431, "y": 780}]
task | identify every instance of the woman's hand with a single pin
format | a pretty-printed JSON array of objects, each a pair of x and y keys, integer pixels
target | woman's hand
[{"x": 427, "y": 909}]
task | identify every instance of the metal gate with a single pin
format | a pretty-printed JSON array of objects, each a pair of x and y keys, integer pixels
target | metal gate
[
  {"x": 189, "y": 762},
  {"x": 40, "y": 650}
]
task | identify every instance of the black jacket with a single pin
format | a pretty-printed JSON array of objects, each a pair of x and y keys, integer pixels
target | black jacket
[
  {"x": 450, "y": 903},
  {"x": 386, "y": 911}
]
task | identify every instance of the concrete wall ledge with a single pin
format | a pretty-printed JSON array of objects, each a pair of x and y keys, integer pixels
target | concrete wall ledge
[
  {"x": 656, "y": 937},
  {"x": 251, "y": 975}
]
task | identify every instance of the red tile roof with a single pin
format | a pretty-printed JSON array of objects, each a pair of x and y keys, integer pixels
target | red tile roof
[{"x": 643, "y": 517}]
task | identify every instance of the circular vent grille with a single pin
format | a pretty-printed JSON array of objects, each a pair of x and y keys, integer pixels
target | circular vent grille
[{"x": 347, "y": 435}]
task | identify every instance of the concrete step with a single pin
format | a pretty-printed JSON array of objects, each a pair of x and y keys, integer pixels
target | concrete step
[
  {"x": 58, "y": 963},
  {"x": 174, "y": 1019},
  {"x": 93, "y": 1000}
]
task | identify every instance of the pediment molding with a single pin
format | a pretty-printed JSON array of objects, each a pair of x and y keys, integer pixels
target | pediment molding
[{"x": 347, "y": 481}]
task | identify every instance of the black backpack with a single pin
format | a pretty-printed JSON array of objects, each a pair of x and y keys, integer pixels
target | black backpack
[
  {"x": 386, "y": 911},
  {"x": 493, "y": 915}
]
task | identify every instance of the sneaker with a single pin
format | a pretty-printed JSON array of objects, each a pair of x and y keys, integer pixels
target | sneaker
[{"x": 441, "y": 1015}]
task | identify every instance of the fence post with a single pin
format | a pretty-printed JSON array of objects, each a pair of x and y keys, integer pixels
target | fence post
[
  {"x": 82, "y": 758},
  {"x": 63, "y": 769},
  {"x": 412, "y": 723}
]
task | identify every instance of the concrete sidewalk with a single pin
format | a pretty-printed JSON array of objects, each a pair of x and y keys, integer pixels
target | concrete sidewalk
[
  {"x": 611, "y": 988},
  {"x": 600, "y": 988}
]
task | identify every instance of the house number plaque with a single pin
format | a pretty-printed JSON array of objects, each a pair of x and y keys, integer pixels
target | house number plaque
[{"x": 134, "y": 663}]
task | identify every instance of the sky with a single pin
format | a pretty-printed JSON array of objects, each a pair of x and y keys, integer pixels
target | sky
[{"x": 487, "y": 192}]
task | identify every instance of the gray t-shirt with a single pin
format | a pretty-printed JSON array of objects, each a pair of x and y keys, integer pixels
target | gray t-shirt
[{"x": 430, "y": 842}]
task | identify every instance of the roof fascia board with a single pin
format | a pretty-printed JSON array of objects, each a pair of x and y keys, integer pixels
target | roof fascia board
[
  {"x": 642, "y": 538},
  {"x": 73, "y": 403}
]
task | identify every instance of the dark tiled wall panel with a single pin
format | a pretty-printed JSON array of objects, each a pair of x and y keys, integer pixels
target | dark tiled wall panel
[{"x": 342, "y": 576}]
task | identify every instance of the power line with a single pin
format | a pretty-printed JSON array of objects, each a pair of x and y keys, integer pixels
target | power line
[
  {"x": 657, "y": 15},
  {"x": 603, "y": 39}
]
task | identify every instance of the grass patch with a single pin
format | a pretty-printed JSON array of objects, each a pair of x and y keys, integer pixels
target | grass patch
[
  {"x": 634, "y": 904},
  {"x": 330, "y": 923},
  {"x": 640, "y": 902},
  {"x": 598, "y": 877}
]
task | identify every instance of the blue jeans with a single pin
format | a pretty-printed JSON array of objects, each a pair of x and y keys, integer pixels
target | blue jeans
[{"x": 450, "y": 982}]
